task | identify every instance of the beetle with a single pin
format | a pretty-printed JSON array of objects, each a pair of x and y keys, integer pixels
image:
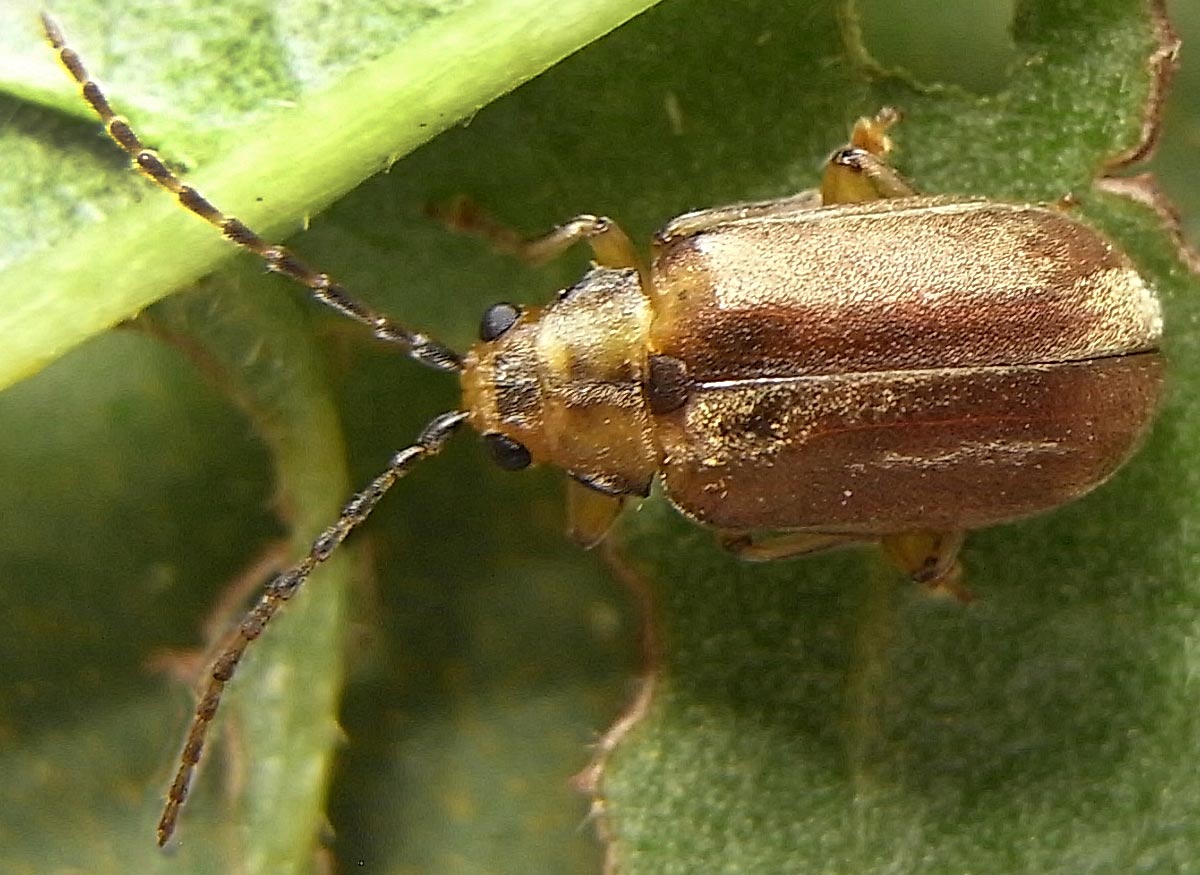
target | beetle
[{"x": 858, "y": 363}]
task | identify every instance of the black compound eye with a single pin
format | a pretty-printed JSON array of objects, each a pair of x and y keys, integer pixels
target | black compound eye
[
  {"x": 509, "y": 454},
  {"x": 497, "y": 319}
]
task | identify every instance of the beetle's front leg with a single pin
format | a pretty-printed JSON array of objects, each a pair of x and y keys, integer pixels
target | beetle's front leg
[
  {"x": 610, "y": 245},
  {"x": 859, "y": 170},
  {"x": 590, "y": 514},
  {"x": 930, "y": 559}
]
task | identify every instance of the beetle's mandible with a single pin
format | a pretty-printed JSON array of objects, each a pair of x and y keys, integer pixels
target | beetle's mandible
[{"x": 853, "y": 364}]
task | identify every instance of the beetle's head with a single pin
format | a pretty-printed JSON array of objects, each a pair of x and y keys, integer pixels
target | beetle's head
[
  {"x": 563, "y": 384},
  {"x": 501, "y": 389}
]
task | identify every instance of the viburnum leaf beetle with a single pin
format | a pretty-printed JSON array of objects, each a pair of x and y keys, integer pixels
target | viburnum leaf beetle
[{"x": 853, "y": 364}]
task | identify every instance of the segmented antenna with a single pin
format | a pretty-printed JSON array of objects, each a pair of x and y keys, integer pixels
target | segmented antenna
[
  {"x": 278, "y": 258},
  {"x": 281, "y": 588}
]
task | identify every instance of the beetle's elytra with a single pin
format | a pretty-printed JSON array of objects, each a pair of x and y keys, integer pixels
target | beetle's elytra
[
  {"x": 863, "y": 370},
  {"x": 857, "y": 363}
]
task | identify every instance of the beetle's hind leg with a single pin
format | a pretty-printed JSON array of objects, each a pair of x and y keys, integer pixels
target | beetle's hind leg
[
  {"x": 859, "y": 170},
  {"x": 930, "y": 559}
]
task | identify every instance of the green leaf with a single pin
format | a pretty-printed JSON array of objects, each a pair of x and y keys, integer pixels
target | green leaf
[{"x": 813, "y": 715}]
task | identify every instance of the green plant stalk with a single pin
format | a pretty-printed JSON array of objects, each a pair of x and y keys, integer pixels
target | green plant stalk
[{"x": 280, "y": 174}]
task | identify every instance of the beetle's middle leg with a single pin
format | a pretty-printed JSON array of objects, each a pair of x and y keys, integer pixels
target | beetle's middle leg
[
  {"x": 782, "y": 545},
  {"x": 859, "y": 170},
  {"x": 690, "y": 224},
  {"x": 930, "y": 559}
]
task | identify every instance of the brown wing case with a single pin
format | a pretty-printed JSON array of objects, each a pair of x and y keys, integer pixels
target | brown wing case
[{"x": 915, "y": 364}]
